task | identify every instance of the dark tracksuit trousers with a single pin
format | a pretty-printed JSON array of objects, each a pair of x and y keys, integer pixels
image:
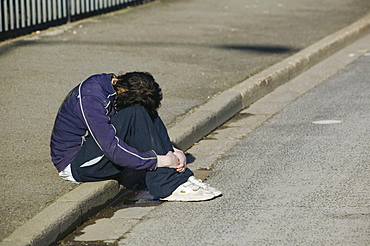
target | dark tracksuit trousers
[{"x": 138, "y": 130}]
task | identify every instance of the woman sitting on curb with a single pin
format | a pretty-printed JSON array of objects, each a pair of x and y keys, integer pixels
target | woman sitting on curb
[{"x": 108, "y": 124}]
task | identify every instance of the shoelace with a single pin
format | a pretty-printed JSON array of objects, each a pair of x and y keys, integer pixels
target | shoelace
[
  {"x": 198, "y": 182},
  {"x": 192, "y": 186}
]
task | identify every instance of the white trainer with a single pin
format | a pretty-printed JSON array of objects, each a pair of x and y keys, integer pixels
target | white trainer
[
  {"x": 189, "y": 192},
  {"x": 205, "y": 186}
]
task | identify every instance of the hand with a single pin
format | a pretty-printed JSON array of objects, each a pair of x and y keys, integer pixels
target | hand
[
  {"x": 168, "y": 160},
  {"x": 181, "y": 167}
]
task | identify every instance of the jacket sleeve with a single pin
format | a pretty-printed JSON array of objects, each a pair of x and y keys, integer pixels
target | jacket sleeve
[{"x": 98, "y": 123}]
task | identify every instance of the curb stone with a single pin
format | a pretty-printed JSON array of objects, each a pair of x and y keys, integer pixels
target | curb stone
[
  {"x": 72, "y": 209},
  {"x": 65, "y": 214}
]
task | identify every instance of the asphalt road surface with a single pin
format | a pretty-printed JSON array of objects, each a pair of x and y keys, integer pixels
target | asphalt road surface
[
  {"x": 195, "y": 49},
  {"x": 302, "y": 178},
  {"x": 297, "y": 174}
]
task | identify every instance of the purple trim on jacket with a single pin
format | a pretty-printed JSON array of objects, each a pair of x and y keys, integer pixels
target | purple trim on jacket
[{"x": 87, "y": 110}]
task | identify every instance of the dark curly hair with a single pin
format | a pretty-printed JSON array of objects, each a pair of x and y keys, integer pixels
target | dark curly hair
[{"x": 138, "y": 88}]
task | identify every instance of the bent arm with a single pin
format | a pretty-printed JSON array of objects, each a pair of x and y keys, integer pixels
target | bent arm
[{"x": 98, "y": 122}]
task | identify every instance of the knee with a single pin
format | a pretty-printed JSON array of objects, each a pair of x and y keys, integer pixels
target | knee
[
  {"x": 132, "y": 112},
  {"x": 139, "y": 108}
]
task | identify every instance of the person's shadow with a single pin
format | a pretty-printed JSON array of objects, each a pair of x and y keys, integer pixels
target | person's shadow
[{"x": 189, "y": 158}]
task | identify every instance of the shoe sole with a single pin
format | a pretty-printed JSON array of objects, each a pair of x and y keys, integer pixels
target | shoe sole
[{"x": 187, "y": 199}]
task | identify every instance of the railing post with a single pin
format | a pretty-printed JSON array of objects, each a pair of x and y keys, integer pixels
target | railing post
[{"x": 68, "y": 3}]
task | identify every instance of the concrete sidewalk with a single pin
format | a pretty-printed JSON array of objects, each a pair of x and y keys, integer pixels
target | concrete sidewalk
[{"x": 195, "y": 50}]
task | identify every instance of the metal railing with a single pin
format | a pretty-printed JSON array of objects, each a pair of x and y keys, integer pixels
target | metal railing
[{"x": 19, "y": 17}]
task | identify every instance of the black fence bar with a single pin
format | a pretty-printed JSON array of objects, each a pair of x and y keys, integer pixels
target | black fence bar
[{"x": 20, "y": 17}]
